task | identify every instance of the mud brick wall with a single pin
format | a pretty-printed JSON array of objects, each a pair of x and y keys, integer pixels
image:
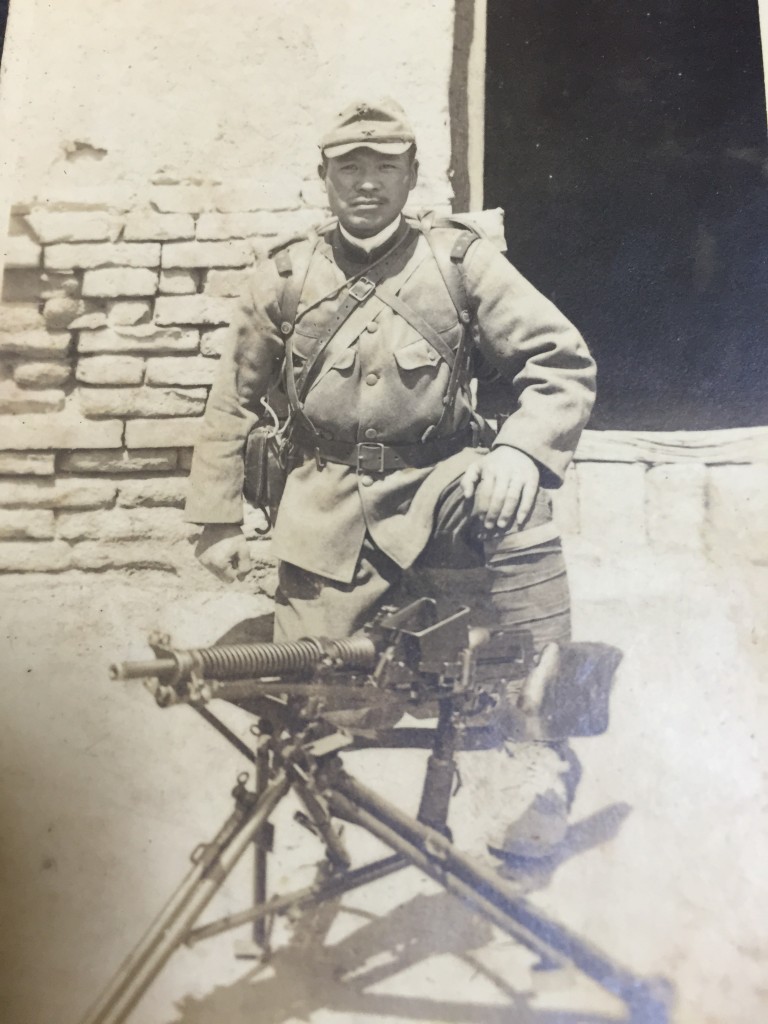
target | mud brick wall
[
  {"x": 111, "y": 324},
  {"x": 110, "y": 330}
]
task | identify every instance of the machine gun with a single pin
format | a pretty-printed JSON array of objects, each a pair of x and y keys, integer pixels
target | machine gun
[{"x": 483, "y": 686}]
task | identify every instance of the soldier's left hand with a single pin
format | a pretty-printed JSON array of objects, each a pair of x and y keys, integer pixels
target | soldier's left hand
[{"x": 504, "y": 484}]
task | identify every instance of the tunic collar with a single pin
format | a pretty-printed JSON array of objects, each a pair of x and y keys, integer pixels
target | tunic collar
[
  {"x": 349, "y": 249},
  {"x": 375, "y": 241}
]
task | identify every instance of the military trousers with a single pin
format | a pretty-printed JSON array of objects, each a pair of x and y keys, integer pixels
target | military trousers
[{"x": 515, "y": 580}]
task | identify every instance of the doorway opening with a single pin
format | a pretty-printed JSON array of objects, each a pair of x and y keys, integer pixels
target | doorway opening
[{"x": 627, "y": 145}]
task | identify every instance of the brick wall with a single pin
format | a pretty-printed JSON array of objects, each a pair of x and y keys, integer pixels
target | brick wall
[{"x": 110, "y": 330}]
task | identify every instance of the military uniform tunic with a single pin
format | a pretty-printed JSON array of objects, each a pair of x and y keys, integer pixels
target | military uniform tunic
[{"x": 379, "y": 380}]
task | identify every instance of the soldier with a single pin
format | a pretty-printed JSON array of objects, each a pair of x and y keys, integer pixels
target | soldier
[{"x": 374, "y": 328}]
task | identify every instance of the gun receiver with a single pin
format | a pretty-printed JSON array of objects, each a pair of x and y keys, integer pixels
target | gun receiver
[{"x": 404, "y": 652}]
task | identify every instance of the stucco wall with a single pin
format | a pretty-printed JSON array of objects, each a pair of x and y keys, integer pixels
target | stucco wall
[{"x": 121, "y": 92}]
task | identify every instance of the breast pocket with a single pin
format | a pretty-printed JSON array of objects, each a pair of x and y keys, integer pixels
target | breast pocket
[
  {"x": 417, "y": 355},
  {"x": 344, "y": 361}
]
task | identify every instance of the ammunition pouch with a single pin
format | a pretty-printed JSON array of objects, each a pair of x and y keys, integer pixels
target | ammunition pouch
[{"x": 265, "y": 472}]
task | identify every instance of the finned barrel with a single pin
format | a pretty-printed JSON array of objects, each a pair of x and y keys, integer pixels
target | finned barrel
[{"x": 244, "y": 661}]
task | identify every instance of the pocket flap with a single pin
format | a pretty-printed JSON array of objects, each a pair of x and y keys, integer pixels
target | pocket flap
[
  {"x": 416, "y": 355},
  {"x": 344, "y": 360}
]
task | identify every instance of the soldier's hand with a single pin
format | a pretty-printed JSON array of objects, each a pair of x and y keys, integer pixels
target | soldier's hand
[
  {"x": 504, "y": 484},
  {"x": 223, "y": 550}
]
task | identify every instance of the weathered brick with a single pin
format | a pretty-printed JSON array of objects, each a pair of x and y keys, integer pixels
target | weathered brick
[
  {"x": 25, "y": 524},
  {"x": 220, "y": 226},
  {"x": 226, "y": 283},
  {"x": 22, "y": 285},
  {"x": 288, "y": 224},
  {"x": 142, "y": 338},
  {"x": 193, "y": 309},
  {"x": 244, "y": 196},
  {"x": 61, "y": 310},
  {"x": 186, "y": 255},
  {"x": 612, "y": 504},
  {"x": 213, "y": 342},
  {"x": 162, "y": 433},
  {"x": 110, "y": 370},
  {"x": 96, "y": 556},
  {"x": 26, "y": 463},
  {"x": 22, "y": 252},
  {"x": 21, "y": 317},
  {"x": 58, "y": 430},
  {"x": 42, "y": 375},
  {"x": 737, "y": 506},
  {"x": 565, "y": 503},
  {"x": 136, "y": 402},
  {"x": 34, "y": 344},
  {"x": 89, "y": 322},
  {"x": 184, "y": 370},
  {"x": 35, "y": 556},
  {"x": 125, "y": 461},
  {"x": 177, "y": 282},
  {"x": 112, "y": 196},
  {"x": 85, "y": 226},
  {"x": 129, "y": 313},
  {"x": 139, "y": 255},
  {"x": 153, "y": 491},
  {"x": 14, "y": 399},
  {"x": 148, "y": 226},
  {"x": 71, "y": 492},
  {"x": 179, "y": 198},
  {"x": 111, "y": 282},
  {"x": 162, "y": 523},
  {"x": 675, "y": 498}
]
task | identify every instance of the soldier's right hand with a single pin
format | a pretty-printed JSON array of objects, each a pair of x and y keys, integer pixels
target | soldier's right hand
[{"x": 222, "y": 548}]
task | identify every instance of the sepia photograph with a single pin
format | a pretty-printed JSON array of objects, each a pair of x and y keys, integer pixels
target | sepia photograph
[{"x": 383, "y": 512}]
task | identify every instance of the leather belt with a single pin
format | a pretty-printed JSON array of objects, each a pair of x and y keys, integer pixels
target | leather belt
[{"x": 376, "y": 457}]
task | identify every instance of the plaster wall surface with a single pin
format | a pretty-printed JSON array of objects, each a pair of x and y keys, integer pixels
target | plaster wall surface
[{"x": 103, "y": 92}]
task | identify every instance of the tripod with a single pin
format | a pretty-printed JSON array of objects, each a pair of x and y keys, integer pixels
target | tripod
[{"x": 296, "y": 751}]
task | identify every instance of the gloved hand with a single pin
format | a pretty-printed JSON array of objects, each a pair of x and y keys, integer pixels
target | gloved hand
[{"x": 223, "y": 550}]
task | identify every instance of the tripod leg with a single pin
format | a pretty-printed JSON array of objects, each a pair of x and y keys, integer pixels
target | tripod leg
[
  {"x": 262, "y": 844},
  {"x": 646, "y": 999},
  {"x": 170, "y": 928},
  {"x": 441, "y": 769}
]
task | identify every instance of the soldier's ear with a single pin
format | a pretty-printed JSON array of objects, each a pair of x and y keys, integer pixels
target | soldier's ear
[
  {"x": 321, "y": 170},
  {"x": 414, "y": 173}
]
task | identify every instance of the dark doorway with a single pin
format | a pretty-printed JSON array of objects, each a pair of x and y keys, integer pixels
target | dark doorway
[{"x": 627, "y": 145}]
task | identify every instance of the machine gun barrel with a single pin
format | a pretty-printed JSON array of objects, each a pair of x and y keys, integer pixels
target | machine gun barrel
[{"x": 250, "y": 661}]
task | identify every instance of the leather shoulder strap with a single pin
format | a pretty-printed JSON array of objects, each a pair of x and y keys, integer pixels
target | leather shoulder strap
[{"x": 449, "y": 245}]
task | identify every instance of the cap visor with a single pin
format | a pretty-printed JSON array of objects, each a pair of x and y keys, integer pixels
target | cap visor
[{"x": 390, "y": 148}]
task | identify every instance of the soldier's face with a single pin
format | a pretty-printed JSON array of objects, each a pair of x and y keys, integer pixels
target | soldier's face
[{"x": 367, "y": 190}]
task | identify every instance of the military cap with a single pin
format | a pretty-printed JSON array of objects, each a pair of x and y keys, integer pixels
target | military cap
[{"x": 382, "y": 126}]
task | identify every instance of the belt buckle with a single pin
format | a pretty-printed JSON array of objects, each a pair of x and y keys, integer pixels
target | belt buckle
[
  {"x": 361, "y": 289},
  {"x": 373, "y": 450}
]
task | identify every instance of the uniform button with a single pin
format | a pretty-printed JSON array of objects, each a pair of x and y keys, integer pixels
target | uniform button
[
  {"x": 372, "y": 328},
  {"x": 371, "y": 433},
  {"x": 432, "y": 357},
  {"x": 372, "y": 379},
  {"x": 366, "y": 481}
]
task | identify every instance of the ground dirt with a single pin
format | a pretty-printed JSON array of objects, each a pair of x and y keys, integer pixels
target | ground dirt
[{"x": 103, "y": 796}]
